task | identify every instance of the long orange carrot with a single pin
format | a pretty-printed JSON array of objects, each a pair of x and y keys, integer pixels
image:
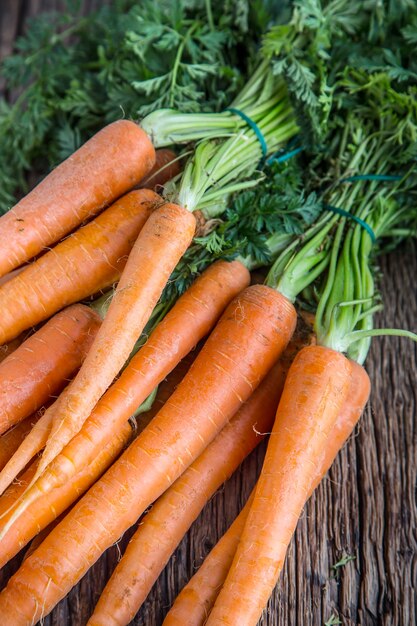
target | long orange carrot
[
  {"x": 316, "y": 387},
  {"x": 46, "y": 509},
  {"x": 171, "y": 516},
  {"x": 11, "y": 441},
  {"x": 88, "y": 260},
  {"x": 195, "y": 601},
  {"x": 248, "y": 339},
  {"x": 161, "y": 243},
  {"x": 104, "y": 168},
  {"x": 43, "y": 363},
  {"x": 191, "y": 318}
]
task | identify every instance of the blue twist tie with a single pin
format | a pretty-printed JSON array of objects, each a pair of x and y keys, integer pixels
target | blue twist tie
[
  {"x": 382, "y": 177},
  {"x": 274, "y": 158},
  {"x": 253, "y": 125},
  {"x": 355, "y": 218}
]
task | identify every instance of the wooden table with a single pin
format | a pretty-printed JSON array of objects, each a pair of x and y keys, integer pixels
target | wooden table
[{"x": 365, "y": 508}]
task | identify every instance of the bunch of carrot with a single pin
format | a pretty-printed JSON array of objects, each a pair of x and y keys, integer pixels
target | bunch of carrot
[{"x": 156, "y": 424}]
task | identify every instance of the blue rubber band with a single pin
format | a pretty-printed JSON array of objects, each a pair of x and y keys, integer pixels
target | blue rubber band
[
  {"x": 254, "y": 127},
  {"x": 382, "y": 177},
  {"x": 274, "y": 158},
  {"x": 355, "y": 218}
]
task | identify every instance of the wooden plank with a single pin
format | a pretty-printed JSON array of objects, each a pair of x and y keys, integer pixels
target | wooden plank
[{"x": 366, "y": 507}]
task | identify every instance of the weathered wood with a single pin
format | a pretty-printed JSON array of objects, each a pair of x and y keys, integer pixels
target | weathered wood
[{"x": 366, "y": 507}]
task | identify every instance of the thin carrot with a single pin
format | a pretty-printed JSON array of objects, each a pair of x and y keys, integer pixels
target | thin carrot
[
  {"x": 191, "y": 318},
  {"x": 11, "y": 441},
  {"x": 33, "y": 443},
  {"x": 88, "y": 260},
  {"x": 47, "y": 508},
  {"x": 43, "y": 363},
  {"x": 104, "y": 168},
  {"x": 161, "y": 243},
  {"x": 316, "y": 387},
  {"x": 194, "y": 603},
  {"x": 166, "y": 167},
  {"x": 248, "y": 339},
  {"x": 162, "y": 529}
]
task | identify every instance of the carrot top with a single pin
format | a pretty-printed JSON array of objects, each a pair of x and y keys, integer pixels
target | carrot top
[{"x": 370, "y": 203}]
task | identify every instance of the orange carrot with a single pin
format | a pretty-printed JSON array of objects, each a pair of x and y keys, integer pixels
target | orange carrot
[
  {"x": 166, "y": 167},
  {"x": 195, "y": 601},
  {"x": 104, "y": 168},
  {"x": 191, "y": 318},
  {"x": 248, "y": 339},
  {"x": 10, "y": 441},
  {"x": 352, "y": 409},
  {"x": 166, "y": 388},
  {"x": 87, "y": 261},
  {"x": 316, "y": 387},
  {"x": 161, "y": 243},
  {"x": 42, "y": 364},
  {"x": 33, "y": 443},
  {"x": 171, "y": 516},
  {"x": 47, "y": 508}
]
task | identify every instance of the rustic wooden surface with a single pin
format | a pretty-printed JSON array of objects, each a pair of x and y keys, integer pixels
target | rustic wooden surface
[{"x": 365, "y": 508}]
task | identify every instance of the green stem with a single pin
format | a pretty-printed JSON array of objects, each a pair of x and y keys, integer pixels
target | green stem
[
  {"x": 210, "y": 19},
  {"x": 356, "y": 335},
  {"x": 177, "y": 62}
]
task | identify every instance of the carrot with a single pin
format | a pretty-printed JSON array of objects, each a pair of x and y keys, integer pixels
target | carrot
[
  {"x": 87, "y": 261},
  {"x": 104, "y": 168},
  {"x": 47, "y": 508},
  {"x": 42, "y": 364},
  {"x": 161, "y": 243},
  {"x": 33, "y": 443},
  {"x": 195, "y": 601},
  {"x": 166, "y": 388},
  {"x": 171, "y": 516},
  {"x": 191, "y": 318},
  {"x": 352, "y": 409},
  {"x": 11, "y": 441},
  {"x": 166, "y": 167},
  {"x": 248, "y": 339},
  {"x": 316, "y": 387}
]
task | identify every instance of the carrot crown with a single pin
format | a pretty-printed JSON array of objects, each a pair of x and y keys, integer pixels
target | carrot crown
[{"x": 262, "y": 93}]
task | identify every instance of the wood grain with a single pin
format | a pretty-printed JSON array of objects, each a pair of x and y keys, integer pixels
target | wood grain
[{"x": 365, "y": 508}]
